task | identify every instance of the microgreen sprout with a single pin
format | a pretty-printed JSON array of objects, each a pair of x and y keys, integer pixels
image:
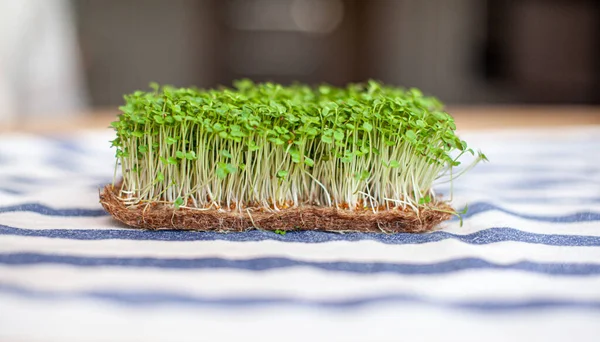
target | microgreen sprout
[{"x": 269, "y": 147}]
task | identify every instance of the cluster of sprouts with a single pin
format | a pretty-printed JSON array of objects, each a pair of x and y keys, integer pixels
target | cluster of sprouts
[{"x": 272, "y": 147}]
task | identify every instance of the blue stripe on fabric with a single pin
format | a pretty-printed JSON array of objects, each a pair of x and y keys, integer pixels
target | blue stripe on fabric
[
  {"x": 62, "y": 162},
  {"x": 522, "y": 169},
  {"x": 45, "y": 210},
  {"x": 11, "y": 191},
  {"x": 474, "y": 209},
  {"x": 22, "y": 179},
  {"x": 66, "y": 145},
  {"x": 482, "y": 207},
  {"x": 271, "y": 263},
  {"x": 146, "y": 298},
  {"x": 544, "y": 183},
  {"x": 550, "y": 200},
  {"x": 482, "y": 237},
  {"x": 47, "y": 182}
]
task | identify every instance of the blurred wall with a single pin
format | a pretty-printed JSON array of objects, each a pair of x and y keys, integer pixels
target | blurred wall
[
  {"x": 463, "y": 51},
  {"x": 555, "y": 50},
  {"x": 40, "y": 70},
  {"x": 290, "y": 40},
  {"x": 127, "y": 44},
  {"x": 433, "y": 45}
]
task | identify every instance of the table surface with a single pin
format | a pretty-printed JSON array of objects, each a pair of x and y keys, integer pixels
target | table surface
[
  {"x": 467, "y": 118},
  {"x": 523, "y": 263}
]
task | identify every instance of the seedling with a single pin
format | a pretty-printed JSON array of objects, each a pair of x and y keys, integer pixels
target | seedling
[{"x": 364, "y": 157}]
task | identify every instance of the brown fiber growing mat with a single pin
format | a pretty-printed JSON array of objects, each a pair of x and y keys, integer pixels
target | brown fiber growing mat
[{"x": 159, "y": 216}]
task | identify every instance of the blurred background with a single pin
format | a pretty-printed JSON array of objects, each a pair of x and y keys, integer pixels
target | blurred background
[{"x": 61, "y": 58}]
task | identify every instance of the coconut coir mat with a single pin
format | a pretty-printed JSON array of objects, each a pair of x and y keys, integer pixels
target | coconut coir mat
[{"x": 161, "y": 216}]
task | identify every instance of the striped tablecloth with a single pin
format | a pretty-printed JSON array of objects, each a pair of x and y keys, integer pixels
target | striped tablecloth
[{"x": 525, "y": 264}]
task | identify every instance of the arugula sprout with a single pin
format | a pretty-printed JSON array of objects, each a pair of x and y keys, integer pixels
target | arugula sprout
[{"x": 362, "y": 147}]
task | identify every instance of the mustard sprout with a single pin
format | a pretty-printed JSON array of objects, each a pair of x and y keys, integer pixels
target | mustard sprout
[{"x": 266, "y": 146}]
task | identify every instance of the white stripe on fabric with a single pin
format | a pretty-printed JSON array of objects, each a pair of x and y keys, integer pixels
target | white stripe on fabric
[
  {"x": 102, "y": 322},
  {"x": 476, "y": 285},
  {"x": 357, "y": 251}
]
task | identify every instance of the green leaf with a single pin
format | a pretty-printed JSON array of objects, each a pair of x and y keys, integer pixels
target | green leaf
[
  {"x": 178, "y": 203},
  {"x": 170, "y": 140},
  {"x": 237, "y": 132},
  {"x": 191, "y": 155},
  {"x": 367, "y": 126},
  {"x": 160, "y": 177},
  {"x": 461, "y": 213},
  {"x": 410, "y": 135},
  {"x": 482, "y": 156},
  {"x": 416, "y": 92},
  {"x": 115, "y": 142},
  {"x": 294, "y": 151},
  {"x": 225, "y": 154},
  {"x": 308, "y": 161},
  {"x": 278, "y": 141},
  {"x": 347, "y": 158},
  {"x": 394, "y": 164},
  {"x": 311, "y": 131},
  {"x": 253, "y": 147},
  {"x": 338, "y": 135},
  {"x": 222, "y": 171},
  {"x": 159, "y": 119},
  {"x": 425, "y": 200},
  {"x": 230, "y": 168},
  {"x": 326, "y": 139},
  {"x": 324, "y": 89},
  {"x": 282, "y": 174}
]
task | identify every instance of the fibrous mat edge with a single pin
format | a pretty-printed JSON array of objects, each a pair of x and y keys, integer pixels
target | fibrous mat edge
[{"x": 161, "y": 216}]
